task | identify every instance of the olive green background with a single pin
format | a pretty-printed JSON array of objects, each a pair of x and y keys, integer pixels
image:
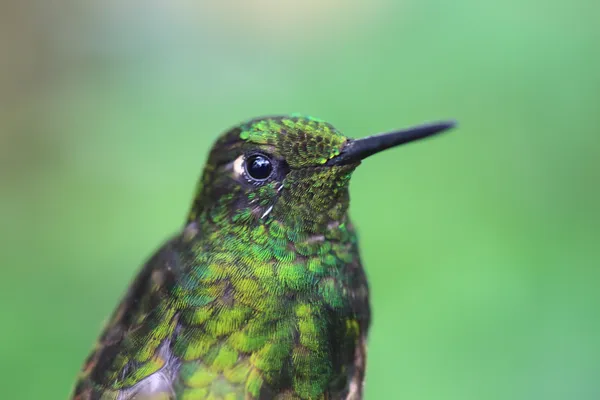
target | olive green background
[{"x": 482, "y": 245}]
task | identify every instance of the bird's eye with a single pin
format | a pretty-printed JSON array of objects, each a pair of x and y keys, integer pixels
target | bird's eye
[{"x": 259, "y": 167}]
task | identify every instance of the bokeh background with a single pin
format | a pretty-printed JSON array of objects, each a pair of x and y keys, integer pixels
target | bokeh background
[{"x": 482, "y": 246}]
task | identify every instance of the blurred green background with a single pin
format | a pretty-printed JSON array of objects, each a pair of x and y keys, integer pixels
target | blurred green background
[{"x": 481, "y": 245}]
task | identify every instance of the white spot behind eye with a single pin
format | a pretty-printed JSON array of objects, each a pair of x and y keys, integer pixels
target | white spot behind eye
[{"x": 238, "y": 166}]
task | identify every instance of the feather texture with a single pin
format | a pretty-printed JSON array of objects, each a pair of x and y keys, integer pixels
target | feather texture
[{"x": 261, "y": 296}]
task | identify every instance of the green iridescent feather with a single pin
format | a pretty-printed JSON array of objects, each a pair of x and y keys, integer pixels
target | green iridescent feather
[{"x": 262, "y": 295}]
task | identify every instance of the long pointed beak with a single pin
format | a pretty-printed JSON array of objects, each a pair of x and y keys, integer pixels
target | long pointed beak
[{"x": 359, "y": 149}]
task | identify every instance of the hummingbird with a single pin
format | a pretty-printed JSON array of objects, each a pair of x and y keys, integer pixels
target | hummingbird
[{"x": 262, "y": 295}]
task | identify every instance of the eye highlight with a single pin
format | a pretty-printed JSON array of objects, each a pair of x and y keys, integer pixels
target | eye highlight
[{"x": 258, "y": 167}]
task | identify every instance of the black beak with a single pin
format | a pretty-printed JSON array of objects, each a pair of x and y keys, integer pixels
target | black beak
[{"x": 359, "y": 149}]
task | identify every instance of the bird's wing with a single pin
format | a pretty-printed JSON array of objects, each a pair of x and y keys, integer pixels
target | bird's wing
[
  {"x": 135, "y": 343},
  {"x": 161, "y": 342}
]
